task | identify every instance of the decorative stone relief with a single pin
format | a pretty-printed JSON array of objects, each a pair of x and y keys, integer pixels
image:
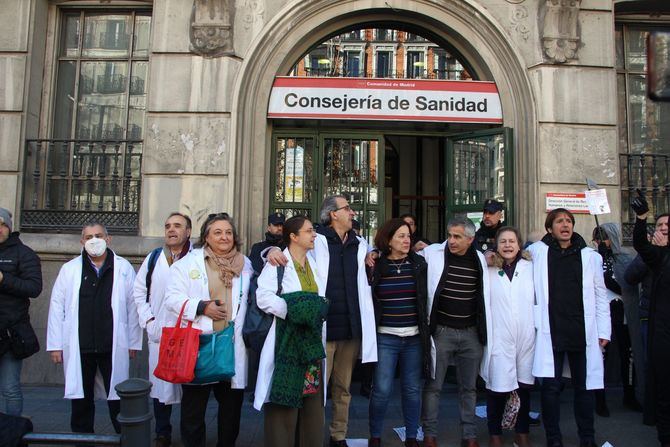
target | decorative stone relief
[
  {"x": 211, "y": 27},
  {"x": 518, "y": 18},
  {"x": 254, "y": 11},
  {"x": 560, "y": 30}
]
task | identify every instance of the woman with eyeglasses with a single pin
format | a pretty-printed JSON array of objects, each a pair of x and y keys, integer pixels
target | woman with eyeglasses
[
  {"x": 213, "y": 281},
  {"x": 399, "y": 290},
  {"x": 507, "y": 362},
  {"x": 291, "y": 375}
]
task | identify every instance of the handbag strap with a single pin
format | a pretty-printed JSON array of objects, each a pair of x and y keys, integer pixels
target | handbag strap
[{"x": 181, "y": 314}]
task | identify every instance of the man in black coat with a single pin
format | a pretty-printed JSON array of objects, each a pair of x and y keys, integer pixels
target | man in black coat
[
  {"x": 657, "y": 392},
  {"x": 273, "y": 238},
  {"x": 485, "y": 237},
  {"x": 20, "y": 280}
]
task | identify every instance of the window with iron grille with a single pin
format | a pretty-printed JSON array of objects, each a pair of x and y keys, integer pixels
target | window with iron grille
[
  {"x": 90, "y": 167},
  {"x": 644, "y": 125}
]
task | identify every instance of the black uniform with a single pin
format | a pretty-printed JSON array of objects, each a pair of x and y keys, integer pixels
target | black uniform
[{"x": 485, "y": 237}]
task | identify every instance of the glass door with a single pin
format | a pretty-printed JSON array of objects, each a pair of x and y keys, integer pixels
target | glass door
[
  {"x": 479, "y": 166},
  {"x": 307, "y": 166},
  {"x": 353, "y": 165}
]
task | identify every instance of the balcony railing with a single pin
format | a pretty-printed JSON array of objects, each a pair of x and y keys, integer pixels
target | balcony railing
[
  {"x": 70, "y": 182},
  {"x": 108, "y": 84},
  {"x": 650, "y": 173}
]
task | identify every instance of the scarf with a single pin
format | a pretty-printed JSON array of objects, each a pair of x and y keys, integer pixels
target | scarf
[{"x": 230, "y": 265}]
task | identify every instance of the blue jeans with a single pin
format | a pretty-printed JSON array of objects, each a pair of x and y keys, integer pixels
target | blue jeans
[
  {"x": 407, "y": 353},
  {"x": 10, "y": 383}
]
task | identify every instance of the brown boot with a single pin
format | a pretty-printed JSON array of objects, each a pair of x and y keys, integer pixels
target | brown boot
[
  {"x": 411, "y": 442},
  {"x": 472, "y": 442},
  {"x": 495, "y": 441},
  {"x": 429, "y": 441},
  {"x": 375, "y": 442},
  {"x": 522, "y": 440}
]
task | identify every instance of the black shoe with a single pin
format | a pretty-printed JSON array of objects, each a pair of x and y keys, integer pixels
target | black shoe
[
  {"x": 162, "y": 441},
  {"x": 534, "y": 422},
  {"x": 554, "y": 444},
  {"x": 588, "y": 444},
  {"x": 334, "y": 443}
]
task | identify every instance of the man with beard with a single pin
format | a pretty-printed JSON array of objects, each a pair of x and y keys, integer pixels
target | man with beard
[{"x": 273, "y": 238}]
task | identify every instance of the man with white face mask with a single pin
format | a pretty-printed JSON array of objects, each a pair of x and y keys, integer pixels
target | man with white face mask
[{"x": 93, "y": 325}]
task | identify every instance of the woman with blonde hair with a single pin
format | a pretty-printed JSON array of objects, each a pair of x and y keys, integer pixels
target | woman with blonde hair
[{"x": 508, "y": 357}]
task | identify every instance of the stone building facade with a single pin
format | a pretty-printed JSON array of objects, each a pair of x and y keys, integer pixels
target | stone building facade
[{"x": 123, "y": 111}]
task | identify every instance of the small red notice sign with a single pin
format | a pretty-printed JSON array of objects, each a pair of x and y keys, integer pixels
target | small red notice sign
[{"x": 575, "y": 202}]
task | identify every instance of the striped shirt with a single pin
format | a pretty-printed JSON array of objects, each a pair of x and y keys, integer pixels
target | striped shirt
[
  {"x": 396, "y": 293},
  {"x": 457, "y": 306}
]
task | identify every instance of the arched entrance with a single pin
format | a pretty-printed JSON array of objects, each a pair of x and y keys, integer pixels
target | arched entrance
[{"x": 472, "y": 33}]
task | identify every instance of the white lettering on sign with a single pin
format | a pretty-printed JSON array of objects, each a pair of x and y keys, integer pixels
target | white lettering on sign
[{"x": 374, "y": 99}]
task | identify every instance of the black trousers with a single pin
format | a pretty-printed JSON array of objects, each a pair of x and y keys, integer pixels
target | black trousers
[
  {"x": 495, "y": 407},
  {"x": 584, "y": 404},
  {"x": 83, "y": 410},
  {"x": 193, "y": 406}
]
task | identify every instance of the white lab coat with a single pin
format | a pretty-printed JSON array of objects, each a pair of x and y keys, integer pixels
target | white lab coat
[
  {"x": 63, "y": 325},
  {"x": 166, "y": 392},
  {"x": 269, "y": 302},
  {"x": 434, "y": 255},
  {"x": 322, "y": 256},
  {"x": 509, "y": 352},
  {"x": 596, "y": 315},
  {"x": 189, "y": 283}
]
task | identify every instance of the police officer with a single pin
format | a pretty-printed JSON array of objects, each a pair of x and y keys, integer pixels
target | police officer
[
  {"x": 273, "y": 238},
  {"x": 486, "y": 234}
]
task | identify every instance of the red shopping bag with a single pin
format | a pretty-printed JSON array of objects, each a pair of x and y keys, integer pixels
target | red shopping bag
[{"x": 178, "y": 352}]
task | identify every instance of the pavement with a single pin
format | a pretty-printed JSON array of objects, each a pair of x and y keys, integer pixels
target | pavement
[{"x": 51, "y": 413}]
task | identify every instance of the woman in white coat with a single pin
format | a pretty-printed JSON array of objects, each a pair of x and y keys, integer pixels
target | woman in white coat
[
  {"x": 293, "y": 395},
  {"x": 213, "y": 282},
  {"x": 508, "y": 357}
]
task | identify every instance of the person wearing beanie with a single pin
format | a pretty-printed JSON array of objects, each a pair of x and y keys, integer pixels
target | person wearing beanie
[{"x": 20, "y": 280}]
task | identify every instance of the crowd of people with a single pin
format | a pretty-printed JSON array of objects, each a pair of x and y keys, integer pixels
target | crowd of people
[{"x": 516, "y": 314}]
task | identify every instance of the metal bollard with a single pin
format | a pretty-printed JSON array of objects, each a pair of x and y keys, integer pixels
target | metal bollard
[{"x": 134, "y": 417}]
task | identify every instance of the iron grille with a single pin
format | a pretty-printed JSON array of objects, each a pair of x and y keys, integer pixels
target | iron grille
[
  {"x": 649, "y": 173},
  {"x": 70, "y": 182}
]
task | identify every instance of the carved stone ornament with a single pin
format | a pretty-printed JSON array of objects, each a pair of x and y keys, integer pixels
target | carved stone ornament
[
  {"x": 560, "y": 30},
  {"x": 212, "y": 27}
]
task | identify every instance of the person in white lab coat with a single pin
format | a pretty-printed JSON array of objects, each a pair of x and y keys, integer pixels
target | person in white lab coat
[
  {"x": 93, "y": 327},
  {"x": 213, "y": 281},
  {"x": 149, "y": 293},
  {"x": 508, "y": 357},
  {"x": 573, "y": 321},
  {"x": 286, "y": 424}
]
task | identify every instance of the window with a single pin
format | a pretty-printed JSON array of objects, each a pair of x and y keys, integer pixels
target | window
[
  {"x": 384, "y": 35},
  {"x": 383, "y": 66},
  {"x": 353, "y": 67},
  {"x": 91, "y": 166},
  {"x": 644, "y": 125},
  {"x": 415, "y": 67}
]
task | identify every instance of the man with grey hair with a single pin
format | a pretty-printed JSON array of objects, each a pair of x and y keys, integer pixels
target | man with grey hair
[
  {"x": 458, "y": 296},
  {"x": 93, "y": 325},
  {"x": 350, "y": 324},
  {"x": 20, "y": 280}
]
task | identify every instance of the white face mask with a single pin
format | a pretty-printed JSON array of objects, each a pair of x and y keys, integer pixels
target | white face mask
[{"x": 95, "y": 247}]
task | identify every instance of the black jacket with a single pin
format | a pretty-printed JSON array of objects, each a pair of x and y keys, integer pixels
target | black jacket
[
  {"x": 485, "y": 237},
  {"x": 481, "y": 306},
  {"x": 22, "y": 279},
  {"x": 639, "y": 273},
  {"x": 658, "y": 260},
  {"x": 255, "y": 254},
  {"x": 421, "y": 275}
]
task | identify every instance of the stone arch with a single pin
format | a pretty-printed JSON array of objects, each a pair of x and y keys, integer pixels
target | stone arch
[{"x": 467, "y": 26}]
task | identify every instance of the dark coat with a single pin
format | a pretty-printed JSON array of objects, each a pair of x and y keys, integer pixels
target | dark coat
[
  {"x": 421, "y": 275},
  {"x": 658, "y": 261},
  {"x": 22, "y": 279},
  {"x": 255, "y": 254},
  {"x": 639, "y": 273}
]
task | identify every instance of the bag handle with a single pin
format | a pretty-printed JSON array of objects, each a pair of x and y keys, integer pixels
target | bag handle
[{"x": 181, "y": 314}]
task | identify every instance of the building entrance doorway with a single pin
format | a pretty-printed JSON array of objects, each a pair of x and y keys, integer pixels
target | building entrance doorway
[{"x": 388, "y": 173}]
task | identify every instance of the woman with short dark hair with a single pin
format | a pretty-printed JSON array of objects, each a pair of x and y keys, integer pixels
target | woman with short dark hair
[
  {"x": 291, "y": 374},
  {"x": 399, "y": 291}
]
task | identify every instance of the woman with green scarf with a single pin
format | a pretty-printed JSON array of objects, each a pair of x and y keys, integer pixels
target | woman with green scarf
[{"x": 291, "y": 380}]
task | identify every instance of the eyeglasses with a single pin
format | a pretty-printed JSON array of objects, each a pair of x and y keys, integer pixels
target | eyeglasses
[
  {"x": 309, "y": 230},
  {"x": 213, "y": 215},
  {"x": 345, "y": 207}
]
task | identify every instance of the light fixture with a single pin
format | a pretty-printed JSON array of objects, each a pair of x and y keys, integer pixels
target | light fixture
[
  {"x": 324, "y": 61},
  {"x": 418, "y": 64}
]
